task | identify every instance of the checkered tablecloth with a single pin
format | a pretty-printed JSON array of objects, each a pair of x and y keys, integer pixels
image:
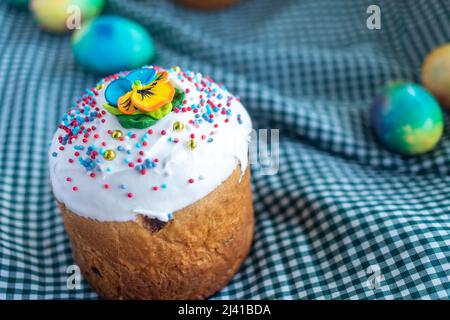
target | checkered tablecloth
[{"x": 343, "y": 218}]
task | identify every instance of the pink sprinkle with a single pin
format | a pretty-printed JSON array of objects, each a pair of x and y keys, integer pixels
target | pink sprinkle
[
  {"x": 191, "y": 180},
  {"x": 163, "y": 132},
  {"x": 130, "y": 195},
  {"x": 75, "y": 188},
  {"x": 131, "y": 164},
  {"x": 188, "y": 90},
  {"x": 92, "y": 175},
  {"x": 155, "y": 188},
  {"x": 106, "y": 186},
  {"x": 68, "y": 179},
  {"x": 149, "y": 131},
  {"x": 143, "y": 171},
  {"x": 192, "y": 136}
]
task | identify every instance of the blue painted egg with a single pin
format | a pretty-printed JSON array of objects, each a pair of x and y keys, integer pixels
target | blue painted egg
[
  {"x": 109, "y": 44},
  {"x": 407, "y": 118}
]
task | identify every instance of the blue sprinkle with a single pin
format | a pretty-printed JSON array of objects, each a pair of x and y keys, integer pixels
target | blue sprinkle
[
  {"x": 123, "y": 186},
  {"x": 54, "y": 154}
]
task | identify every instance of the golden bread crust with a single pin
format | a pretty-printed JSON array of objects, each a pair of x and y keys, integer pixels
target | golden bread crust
[{"x": 191, "y": 257}]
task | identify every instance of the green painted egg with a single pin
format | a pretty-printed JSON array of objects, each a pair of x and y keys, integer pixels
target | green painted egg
[
  {"x": 109, "y": 44},
  {"x": 407, "y": 118}
]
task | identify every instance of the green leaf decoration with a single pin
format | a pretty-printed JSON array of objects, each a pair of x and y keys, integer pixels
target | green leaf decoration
[
  {"x": 142, "y": 120},
  {"x": 113, "y": 110},
  {"x": 137, "y": 121},
  {"x": 161, "y": 112},
  {"x": 178, "y": 98}
]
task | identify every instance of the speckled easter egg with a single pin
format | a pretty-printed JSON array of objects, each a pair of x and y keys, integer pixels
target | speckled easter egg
[
  {"x": 60, "y": 16},
  {"x": 109, "y": 44},
  {"x": 436, "y": 74},
  {"x": 407, "y": 118},
  {"x": 19, "y": 3}
]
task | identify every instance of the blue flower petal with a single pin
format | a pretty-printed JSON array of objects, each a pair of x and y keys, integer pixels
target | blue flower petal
[
  {"x": 116, "y": 89},
  {"x": 145, "y": 75}
]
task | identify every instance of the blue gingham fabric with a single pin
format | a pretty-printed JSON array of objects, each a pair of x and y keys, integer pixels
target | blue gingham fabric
[{"x": 342, "y": 219}]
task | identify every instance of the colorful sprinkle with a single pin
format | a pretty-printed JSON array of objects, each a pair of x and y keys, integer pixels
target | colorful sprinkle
[
  {"x": 178, "y": 126},
  {"x": 109, "y": 155},
  {"x": 117, "y": 134},
  {"x": 192, "y": 144}
]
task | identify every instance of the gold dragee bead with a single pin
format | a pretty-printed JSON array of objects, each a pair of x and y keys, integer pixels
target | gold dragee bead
[
  {"x": 109, "y": 155},
  {"x": 116, "y": 134},
  {"x": 177, "y": 69},
  {"x": 100, "y": 86},
  {"x": 178, "y": 126},
  {"x": 192, "y": 144}
]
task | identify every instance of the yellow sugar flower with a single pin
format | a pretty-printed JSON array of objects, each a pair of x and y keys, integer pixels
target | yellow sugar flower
[{"x": 147, "y": 98}]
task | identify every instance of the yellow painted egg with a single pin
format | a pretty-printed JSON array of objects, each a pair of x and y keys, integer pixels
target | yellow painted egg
[
  {"x": 59, "y": 16},
  {"x": 436, "y": 74}
]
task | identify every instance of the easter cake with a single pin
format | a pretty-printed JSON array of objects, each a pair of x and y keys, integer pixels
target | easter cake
[{"x": 150, "y": 170}]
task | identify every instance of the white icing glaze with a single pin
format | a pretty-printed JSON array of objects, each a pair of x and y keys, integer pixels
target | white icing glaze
[{"x": 209, "y": 164}]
